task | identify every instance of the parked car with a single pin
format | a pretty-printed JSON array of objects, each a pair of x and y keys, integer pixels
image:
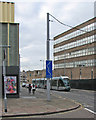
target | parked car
[{"x": 23, "y": 84}]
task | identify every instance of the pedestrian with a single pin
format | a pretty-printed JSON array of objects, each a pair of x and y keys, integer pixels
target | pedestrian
[
  {"x": 33, "y": 89},
  {"x": 29, "y": 88}
]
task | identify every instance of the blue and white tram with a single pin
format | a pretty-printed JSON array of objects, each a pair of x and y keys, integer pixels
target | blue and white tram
[
  {"x": 56, "y": 83},
  {"x": 40, "y": 82},
  {"x": 60, "y": 83}
]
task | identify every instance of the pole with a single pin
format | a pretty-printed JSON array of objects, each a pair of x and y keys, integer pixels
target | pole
[
  {"x": 4, "y": 75},
  {"x": 19, "y": 74},
  {"x": 48, "y": 57},
  {"x": 80, "y": 73},
  {"x": 43, "y": 64},
  {"x": 64, "y": 65},
  {"x": 92, "y": 73}
]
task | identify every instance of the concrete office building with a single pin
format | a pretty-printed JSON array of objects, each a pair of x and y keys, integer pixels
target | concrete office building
[
  {"x": 9, "y": 35},
  {"x": 75, "y": 52}
]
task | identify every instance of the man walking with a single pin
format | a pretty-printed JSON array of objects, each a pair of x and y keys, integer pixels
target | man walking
[{"x": 29, "y": 88}]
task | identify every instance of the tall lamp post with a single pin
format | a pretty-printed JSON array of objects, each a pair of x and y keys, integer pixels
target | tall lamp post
[
  {"x": 43, "y": 70},
  {"x": 48, "y": 57},
  {"x": 4, "y": 75},
  {"x": 43, "y": 63},
  {"x": 64, "y": 61},
  {"x": 92, "y": 73}
]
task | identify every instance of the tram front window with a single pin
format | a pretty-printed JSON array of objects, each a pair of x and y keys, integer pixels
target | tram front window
[{"x": 66, "y": 82}]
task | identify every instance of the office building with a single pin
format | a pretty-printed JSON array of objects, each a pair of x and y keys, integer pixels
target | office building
[{"x": 75, "y": 51}]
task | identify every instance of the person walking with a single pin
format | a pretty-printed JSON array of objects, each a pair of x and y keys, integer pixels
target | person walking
[
  {"x": 30, "y": 88},
  {"x": 33, "y": 89}
]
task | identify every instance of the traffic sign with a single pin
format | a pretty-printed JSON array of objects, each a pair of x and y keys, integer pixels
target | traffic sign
[{"x": 48, "y": 69}]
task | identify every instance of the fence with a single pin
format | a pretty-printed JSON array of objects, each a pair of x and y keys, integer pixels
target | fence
[{"x": 88, "y": 84}]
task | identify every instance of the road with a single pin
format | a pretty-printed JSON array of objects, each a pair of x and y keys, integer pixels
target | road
[{"x": 85, "y": 97}]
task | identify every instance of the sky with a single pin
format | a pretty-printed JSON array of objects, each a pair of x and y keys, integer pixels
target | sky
[{"x": 32, "y": 16}]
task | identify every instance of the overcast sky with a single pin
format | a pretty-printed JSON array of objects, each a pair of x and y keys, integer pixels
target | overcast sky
[{"x": 32, "y": 16}]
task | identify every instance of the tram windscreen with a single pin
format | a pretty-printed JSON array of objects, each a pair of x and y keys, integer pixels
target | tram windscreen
[{"x": 66, "y": 81}]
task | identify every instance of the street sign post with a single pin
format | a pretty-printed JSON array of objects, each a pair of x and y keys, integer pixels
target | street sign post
[{"x": 48, "y": 76}]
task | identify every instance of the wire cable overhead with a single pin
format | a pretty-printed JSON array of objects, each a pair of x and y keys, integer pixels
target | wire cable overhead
[{"x": 66, "y": 24}]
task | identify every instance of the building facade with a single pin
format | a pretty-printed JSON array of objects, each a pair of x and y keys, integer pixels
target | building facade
[
  {"x": 75, "y": 52},
  {"x": 35, "y": 74},
  {"x": 9, "y": 36},
  {"x": 23, "y": 77}
]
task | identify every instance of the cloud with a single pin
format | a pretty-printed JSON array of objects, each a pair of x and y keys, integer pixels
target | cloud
[
  {"x": 51, "y": 1},
  {"x": 33, "y": 26},
  {"x": 25, "y": 59}
]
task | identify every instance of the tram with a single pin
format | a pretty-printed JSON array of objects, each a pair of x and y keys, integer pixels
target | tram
[
  {"x": 40, "y": 82},
  {"x": 56, "y": 83},
  {"x": 60, "y": 83}
]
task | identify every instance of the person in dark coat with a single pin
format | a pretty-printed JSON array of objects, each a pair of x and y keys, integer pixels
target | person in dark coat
[
  {"x": 33, "y": 89},
  {"x": 29, "y": 88}
]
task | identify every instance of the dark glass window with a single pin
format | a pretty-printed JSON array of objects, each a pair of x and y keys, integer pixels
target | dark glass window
[{"x": 60, "y": 83}]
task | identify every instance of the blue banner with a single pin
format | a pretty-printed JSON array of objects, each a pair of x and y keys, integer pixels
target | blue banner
[{"x": 48, "y": 69}]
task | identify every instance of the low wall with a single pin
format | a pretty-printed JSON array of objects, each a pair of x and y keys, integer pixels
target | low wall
[{"x": 88, "y": 84}]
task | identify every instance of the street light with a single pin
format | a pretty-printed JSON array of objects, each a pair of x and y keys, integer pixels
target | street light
[
  {"x": 4, "y": 74},
  {"x": 64, "y": 61},
  {"x": 81, "y": 65},
  {"x": 92, "y": 73},
  {"x": 43, "y": 63},
  {"x": 43, "y": 70}
]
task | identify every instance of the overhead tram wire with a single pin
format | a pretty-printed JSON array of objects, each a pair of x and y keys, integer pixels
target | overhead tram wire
[{"x": 66, "y": 24}]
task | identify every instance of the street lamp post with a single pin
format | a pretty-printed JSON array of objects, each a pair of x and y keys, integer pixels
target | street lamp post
[
  {"x": 48, "y": 57},
  {"x": 58, "y": 67},
  {"x": 64, "y": 62},
  {"x": 92, "y": 73},
  {"x": 43, "y": 70},
  {"x": 4, "y": 75},
  {"x": 43, "y": 63},
  {"x": 80, "y": 72}
]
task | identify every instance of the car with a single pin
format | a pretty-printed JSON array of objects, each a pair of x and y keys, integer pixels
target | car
[{"x": 23, "y": 84}]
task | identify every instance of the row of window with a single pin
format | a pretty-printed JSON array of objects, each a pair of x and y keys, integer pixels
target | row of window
[
  {"x": 88, "y": 51},
  {"x": 76, "y": 33},
  {"x": 83, "y": 63},
  {"x": 77, "y": 43}
]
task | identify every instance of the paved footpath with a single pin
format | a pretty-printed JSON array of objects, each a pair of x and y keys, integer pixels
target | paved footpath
[{"x": 38, "y": 105}]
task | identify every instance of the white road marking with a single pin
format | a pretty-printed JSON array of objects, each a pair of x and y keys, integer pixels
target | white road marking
[
  {"x": 87, "y": 105},
  {"x": 90, "y": 110}
]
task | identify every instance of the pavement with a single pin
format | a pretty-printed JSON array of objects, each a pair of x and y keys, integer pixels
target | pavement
[{"x": 32, "y": 105}]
